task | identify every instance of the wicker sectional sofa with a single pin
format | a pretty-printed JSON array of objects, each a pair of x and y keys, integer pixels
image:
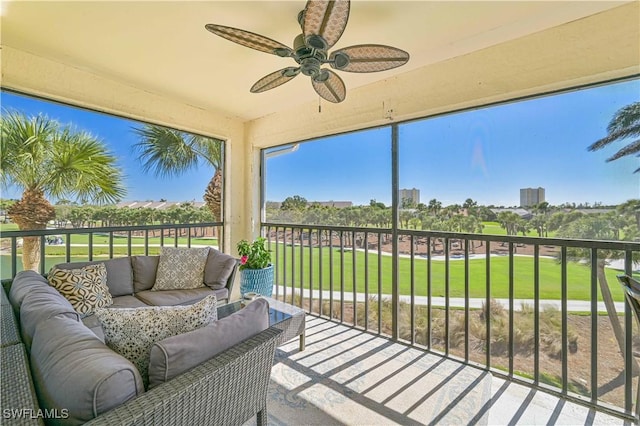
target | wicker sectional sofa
[{"x": 56, "y": 368}]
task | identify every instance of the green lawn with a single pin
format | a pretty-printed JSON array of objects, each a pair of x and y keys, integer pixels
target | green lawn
[
  {"x": 578, "y": 276},
  {"x": 494, "y": 228}
]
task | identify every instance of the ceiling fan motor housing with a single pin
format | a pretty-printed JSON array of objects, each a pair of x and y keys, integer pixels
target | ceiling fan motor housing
[{"x": 310, "y": 66}]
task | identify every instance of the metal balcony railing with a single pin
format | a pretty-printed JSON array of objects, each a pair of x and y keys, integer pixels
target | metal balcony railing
[
  {"x": 537, "y": 311},
  {"x": 79, "y": 244}
]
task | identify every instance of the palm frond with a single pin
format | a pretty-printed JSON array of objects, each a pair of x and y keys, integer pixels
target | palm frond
[
  {"x": 625, "y": 117},
  {"x": 210, "y": 149},
  {"x": 164, "y": 152},
  {"x": 25, "y": 146},
  {"x": 633, "y": 130},
  {"x": 630, "y": 149},
  {"x": 83, "y": 168}
]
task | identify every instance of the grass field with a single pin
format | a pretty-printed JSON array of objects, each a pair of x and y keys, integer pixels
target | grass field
[
  {"x": 494, "y": 228},
  {"x": 578, "y": 276}
]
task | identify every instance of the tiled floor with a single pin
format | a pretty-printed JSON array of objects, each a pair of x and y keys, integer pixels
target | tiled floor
[
  {"x": 345, "y": 376},
  {"x": 512, "y": 403}
]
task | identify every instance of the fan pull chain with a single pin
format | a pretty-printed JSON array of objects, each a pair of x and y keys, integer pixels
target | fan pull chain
[{"x": 319, "y": 106}]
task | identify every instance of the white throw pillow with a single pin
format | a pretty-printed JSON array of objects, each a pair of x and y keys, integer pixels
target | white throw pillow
[
  {"x": 181, "y": 268},
  {"x": 132, "y": 331}
]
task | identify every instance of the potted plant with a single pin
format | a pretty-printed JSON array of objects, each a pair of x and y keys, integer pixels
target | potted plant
[{"x": 256, "y": 270}]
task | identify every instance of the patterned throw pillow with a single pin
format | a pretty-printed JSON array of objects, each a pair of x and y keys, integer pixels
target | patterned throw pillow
[
  {"x": 132, "y": 331},
  {"x": 181, "y": 268},
  {"x": 85, "y": 288}
]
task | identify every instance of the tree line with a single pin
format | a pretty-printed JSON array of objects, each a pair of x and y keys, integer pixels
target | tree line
[{"x": 619, "y": 223}]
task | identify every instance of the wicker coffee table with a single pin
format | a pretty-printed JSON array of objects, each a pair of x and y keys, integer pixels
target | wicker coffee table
[{"x": 288, "y": 318}]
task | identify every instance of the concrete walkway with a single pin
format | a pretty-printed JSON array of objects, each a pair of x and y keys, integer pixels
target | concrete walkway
[{"x": 456, "y": 302}]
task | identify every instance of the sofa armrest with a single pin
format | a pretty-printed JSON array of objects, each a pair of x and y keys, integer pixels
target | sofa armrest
[
  {"x": 18, "y": 399},
  {"x": 228, "y": 389},
  {"x": 232, "y": 278}
]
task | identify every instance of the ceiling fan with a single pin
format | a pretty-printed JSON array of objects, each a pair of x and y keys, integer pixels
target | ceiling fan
[{"x": 322, "y": 22}]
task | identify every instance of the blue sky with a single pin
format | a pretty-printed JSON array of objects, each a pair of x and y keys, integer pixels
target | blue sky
[{"x": 486, "y": 154}]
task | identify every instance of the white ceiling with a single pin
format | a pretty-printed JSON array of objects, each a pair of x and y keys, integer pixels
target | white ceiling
[{"x": 162, "y": 47}]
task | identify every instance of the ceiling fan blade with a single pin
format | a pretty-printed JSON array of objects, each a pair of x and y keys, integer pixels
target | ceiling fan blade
[
  {"x": 275, "y": 79},
  {"x": 324, "y": 22},
  {"x": 249, "y": 39},
  {"x": 368, "y": 58},
  {"x": 328, "y": 85}
]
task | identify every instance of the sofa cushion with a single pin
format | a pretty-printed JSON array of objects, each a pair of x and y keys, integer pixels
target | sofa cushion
[
  {"x": 38, "y": 307},
  {"x": 26, "y": 282},
  {"x": 119, "y": 274},
  {"x": 181, "y": 268},
  {"x": 173, "y": 356},
  {"x": 180, "y": 297},
  {"x": 132, "y": 331},
  {"x": 218, "y": 269},
  {"x": 93, "y": 323},
  {"x": 144, "y": 272},
  {"x": 85, "y": 288},
  {"x": 74, "y": 370}
]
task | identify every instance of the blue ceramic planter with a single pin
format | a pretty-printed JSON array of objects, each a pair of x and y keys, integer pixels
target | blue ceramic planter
[{"x": 257, "y": 280}]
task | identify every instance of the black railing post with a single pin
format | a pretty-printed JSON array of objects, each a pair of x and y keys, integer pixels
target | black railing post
[
  {"x": 511, "y": 309},
  {"x": 43, "y": 254},
  {"x": 565, "y": 330},
  {"x": 395, "y": 258},
  {"x": 536, "y": 314},
  {"x": 628, "y": 353},
  {"x": 594, "y": 325},
  {"x": 320, "y": 275}
]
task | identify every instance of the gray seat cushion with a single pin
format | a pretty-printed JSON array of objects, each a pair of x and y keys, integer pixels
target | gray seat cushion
[
  {"x": 180, "y": 297},
  {"x": 74, "y": 370},
  {"x": 144, "y": 272},
  {"x": 119, "y": 274},
  {"x": 38, "y": 307},
  {"x": 174, "y": 355},
  {"x": 218, "y": 269},
  {"x": 127, "y": 302}
]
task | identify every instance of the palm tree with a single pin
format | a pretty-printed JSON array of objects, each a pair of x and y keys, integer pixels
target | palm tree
[
  {"x": 600, "y": 227},
  {"x": 170, "y": 153},
  {"x": 624, "y": 124},
  {"x": 45, "y": 159}
]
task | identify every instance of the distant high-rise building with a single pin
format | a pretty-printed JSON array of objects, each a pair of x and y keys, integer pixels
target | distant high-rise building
[
  {"x": 413, "y": 195},
  {"x": 531, "y": 196}
]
